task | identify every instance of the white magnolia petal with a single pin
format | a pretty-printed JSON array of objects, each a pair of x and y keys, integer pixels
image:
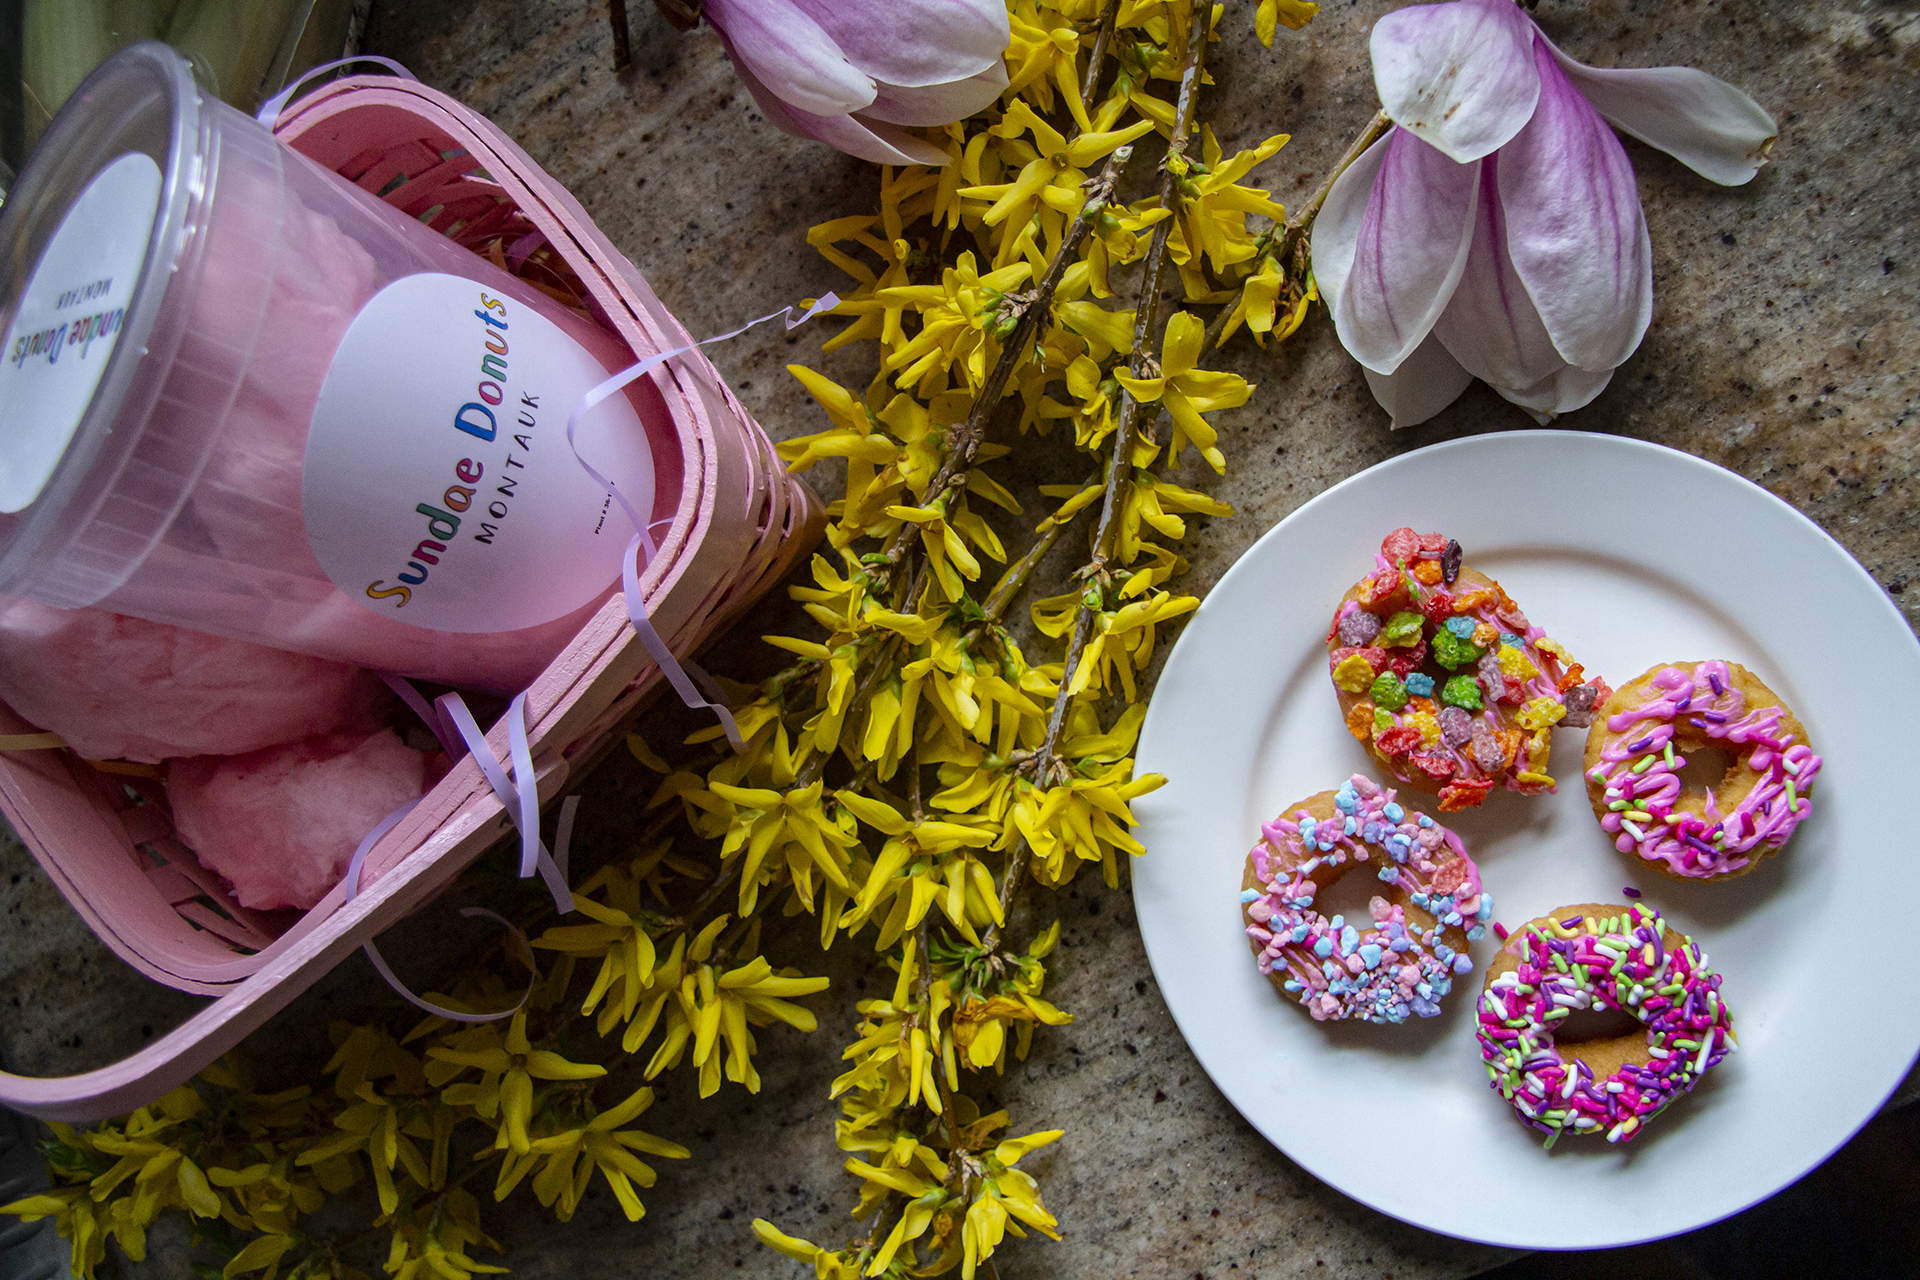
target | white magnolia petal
[
  {"x": 1558, "y": 393},
  {"x": 876, "y": 141},
  {"x": 915, "y": 43},
  {"x": 1425, "y": 383},
  {"x": 1490, "y": 325},
  {"x": 790, "y": 54},
  {"x": 1702, "y": 121},
  {"x": 1336, "y": 230},
  {"x": 1412, "y": 247},
  {"x": 1460, "y": 76},
  {"x": 1575, "y": 231},
  {"x": 939, "y": 103}
]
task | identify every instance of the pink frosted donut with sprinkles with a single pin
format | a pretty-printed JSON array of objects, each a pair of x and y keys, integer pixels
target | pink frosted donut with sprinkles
[
  {"x": 1404, "y": 959},
  {"x": 1640, "y": 742},
  {"x": 1599, "y": 957}
]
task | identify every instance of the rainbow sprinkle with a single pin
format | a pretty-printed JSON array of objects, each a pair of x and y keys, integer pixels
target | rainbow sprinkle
[{"x": 1619, "y": 962}]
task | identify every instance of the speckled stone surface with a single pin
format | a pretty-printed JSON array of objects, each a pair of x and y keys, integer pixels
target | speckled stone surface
[{"x": 1781, "y": 347}]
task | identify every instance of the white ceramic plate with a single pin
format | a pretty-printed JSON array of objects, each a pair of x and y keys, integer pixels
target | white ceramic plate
[{"x": 1630, "y": 554}]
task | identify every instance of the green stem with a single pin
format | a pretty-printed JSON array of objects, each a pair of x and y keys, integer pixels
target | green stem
[
  {"x": 1097, "y": 56},
  {"x": 883, "y": 662},
  {"x": 1010, "y": 881},
  {"x": 1300, "y": 224},
  {"x": 1015, "y": 579},
  {"x": 1035, "y": 306},
  {"x": 1120, "y": 464}
]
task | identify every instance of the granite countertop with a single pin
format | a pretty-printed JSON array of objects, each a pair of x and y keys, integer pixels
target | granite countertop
[{"x": 1781, "y": 347}]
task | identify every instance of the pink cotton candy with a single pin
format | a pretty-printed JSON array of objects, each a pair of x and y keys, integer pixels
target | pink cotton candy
[
  {"x": 248, "y": 499},
  {"x": 282, "y": 824},
  {"x": 117, "y": 687},
  {"x": 243, "y": 529}
]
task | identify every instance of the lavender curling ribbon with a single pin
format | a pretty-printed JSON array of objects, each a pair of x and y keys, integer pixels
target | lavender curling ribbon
[
  {"x": 269, "y": 113},
  {"x": 453, "y": 724},
  {"x": 520, "y": 796},
  {"x": 430, "y": 715},
  {"x": 522, "y": 801},
  {"x": 672, "y": 668},
  {"x": 449, "y": 717}
]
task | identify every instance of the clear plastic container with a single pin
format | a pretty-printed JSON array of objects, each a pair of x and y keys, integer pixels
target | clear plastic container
[{"x": 224, "y": 366}]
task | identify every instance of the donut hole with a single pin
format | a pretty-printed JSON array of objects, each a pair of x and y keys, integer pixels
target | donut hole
[
  {"x": 1583, "y": 1026},
  {"x": 1348, "y": 891},
  {"x": 1351, "y": 894},
  {"x": 1707, "y": 770}
]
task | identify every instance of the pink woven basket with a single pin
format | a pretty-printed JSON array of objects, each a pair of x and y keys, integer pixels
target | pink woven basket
[{"x": 741, "y": 522}]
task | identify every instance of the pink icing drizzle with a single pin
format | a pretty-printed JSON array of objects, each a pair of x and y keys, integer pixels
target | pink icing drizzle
[{"x": 1692, "y": 845}]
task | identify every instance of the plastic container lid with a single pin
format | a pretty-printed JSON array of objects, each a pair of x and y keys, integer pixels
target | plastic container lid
[{"x": 102, "y": 244}]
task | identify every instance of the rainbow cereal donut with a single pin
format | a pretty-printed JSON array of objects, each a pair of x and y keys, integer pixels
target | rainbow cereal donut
[
  {"x": 1417, "y": 940},
  {"x": 1690, "y": 833},
  {"x": 1599, "y": 957},
  {"x": 1445, "y": 681}
]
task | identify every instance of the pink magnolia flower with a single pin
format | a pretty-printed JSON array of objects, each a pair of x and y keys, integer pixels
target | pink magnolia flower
[
  {"x": 1495, "y": 232},
  {"x": 852, "y": 72}
]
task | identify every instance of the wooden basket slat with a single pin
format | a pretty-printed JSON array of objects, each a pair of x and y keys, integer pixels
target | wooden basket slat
[{"x": 220, "y": 925}]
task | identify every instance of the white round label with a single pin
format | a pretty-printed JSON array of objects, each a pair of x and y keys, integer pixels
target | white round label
[
  {"x": 69, "y": 319},
  {"x": 438, "y": 487}
]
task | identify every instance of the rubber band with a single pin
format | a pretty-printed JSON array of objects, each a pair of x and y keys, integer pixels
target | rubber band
[{"x": 269, "y": 113}]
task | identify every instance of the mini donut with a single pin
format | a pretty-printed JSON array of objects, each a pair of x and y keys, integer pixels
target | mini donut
[
  {"x": 1691, "y": 833},
  {"x": 1445, "y": 681},
  {"x": 1599, "y": 957},
  {"x": 1417, "y": 940}
]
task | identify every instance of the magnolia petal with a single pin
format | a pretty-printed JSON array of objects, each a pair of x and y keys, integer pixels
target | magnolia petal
[
  {"x": 790, "y": 54},
  {"x": 876, "y": 140},
  {"x": 1459, "y": 76},
  {"x": 914, "y": 43},
  {"x": 1336, "y": 230},
  {"x": 1411, "y": 249},
  {"x": 939, "y": 103},
  {"x": 1490, "y": 325},
  {"x": 1425, "y": 383},
  {"x": 880, "y": 143},
  {"x": 1575, "y": 231},
  {"x": 1701, "y": 121},
  {"x": 1560, "y": 392}
]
